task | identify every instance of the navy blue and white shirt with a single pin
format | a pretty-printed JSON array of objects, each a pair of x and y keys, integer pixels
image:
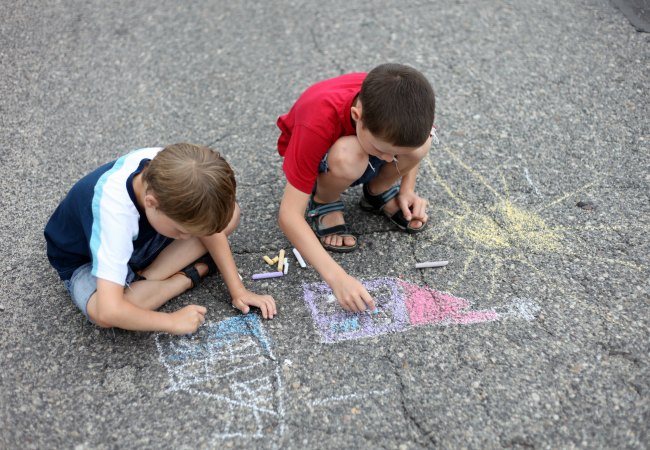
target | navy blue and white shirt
[{"x": 99, "y": 221}]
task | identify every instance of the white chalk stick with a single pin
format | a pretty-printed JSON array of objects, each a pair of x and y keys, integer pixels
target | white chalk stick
[
  {"x": 286, "y": 265},
  {"x": 299, "y": 258},
  {"x": 424, "y": 265}
]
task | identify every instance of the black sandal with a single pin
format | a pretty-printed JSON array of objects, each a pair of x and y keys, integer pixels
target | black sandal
[
  {"x": 318, "y": 210},
  {"x": 193, "y": 274},
  {"x": 375, "y": 204}
]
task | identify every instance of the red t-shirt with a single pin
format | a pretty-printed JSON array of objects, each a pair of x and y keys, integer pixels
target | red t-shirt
[{"x": 320, "y": 116}]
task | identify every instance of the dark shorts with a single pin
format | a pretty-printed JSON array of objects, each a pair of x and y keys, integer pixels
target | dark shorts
[
  {"x": 374, "y": 164},
  {"x": 83, "y": 284}
]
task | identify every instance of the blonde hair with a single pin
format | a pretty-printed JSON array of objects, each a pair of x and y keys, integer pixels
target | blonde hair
[{"x": 194, "y": 186}]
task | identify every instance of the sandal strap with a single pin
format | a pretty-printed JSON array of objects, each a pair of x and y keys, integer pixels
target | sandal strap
[
  {"x": 378, "y": 201},
  {"x": 191, "y": 273},
  {"x": 320, "y": 209},
  {"x": 341, "y": 230},
  {"x": 208, "y": 261}
]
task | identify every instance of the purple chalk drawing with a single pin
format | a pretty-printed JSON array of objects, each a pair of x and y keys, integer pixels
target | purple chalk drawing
[
  {"x": 335, "y": 324},
  {"x": 400, "y": 305}
]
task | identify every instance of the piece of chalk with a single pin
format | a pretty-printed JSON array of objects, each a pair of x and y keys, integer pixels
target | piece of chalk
[
  {"x": 424, "y": 265},
  {"x": 275, "y": 259},
  {"x": 268, "y": 260},
  {"x": 260, "y": 276},
  {"x": 286, "y": 266},
  {"x": 299, "y": 258},
  {"x": 280, "y": 260}
]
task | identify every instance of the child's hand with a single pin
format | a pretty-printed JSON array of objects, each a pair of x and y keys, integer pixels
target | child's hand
[
  {"x": 351, "y": 294},
  {"x": 247, "y": 299},
  {"x": 188, "y": 319},
  {"x": 413, "y": 207}
]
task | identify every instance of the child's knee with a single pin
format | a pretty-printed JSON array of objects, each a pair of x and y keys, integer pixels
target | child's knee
[{"x": 346, "y": 159}]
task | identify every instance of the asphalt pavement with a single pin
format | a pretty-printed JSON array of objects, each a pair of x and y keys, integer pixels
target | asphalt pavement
[{"x": 535, "y": 335}]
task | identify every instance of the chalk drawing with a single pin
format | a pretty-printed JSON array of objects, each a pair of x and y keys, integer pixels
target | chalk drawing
[
  {"x": 492, "y": 235},
  {"x": 400, "y": 305},
  {"x": 527, "y": 175},
  {"x": 229, "y": 362}
]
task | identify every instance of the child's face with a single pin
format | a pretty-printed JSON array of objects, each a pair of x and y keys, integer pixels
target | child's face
[
  {"x": 371, "y": 144},
  {"x": 166, "y": 226},
  {"x": 376, "y": 147}
]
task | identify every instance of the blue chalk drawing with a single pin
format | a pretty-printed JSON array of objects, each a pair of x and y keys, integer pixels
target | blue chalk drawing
[{"x": 230, "y": 362}]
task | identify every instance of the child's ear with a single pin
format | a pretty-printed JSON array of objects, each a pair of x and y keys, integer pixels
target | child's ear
[
  {"x": 150, "y": 201},
  {"x": 355, "y": 112}
]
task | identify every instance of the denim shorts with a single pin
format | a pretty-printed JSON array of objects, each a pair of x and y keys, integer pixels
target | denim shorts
[
  {"x": 374, "y": 164},
  {"x": 83, "y": 284}
]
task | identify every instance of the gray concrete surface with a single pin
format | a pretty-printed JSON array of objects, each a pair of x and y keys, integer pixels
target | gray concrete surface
[{"x": 539, "y": 194}]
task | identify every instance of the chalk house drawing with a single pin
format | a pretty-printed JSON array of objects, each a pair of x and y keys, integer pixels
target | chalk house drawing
[
  {"x": 400, "y": 305},
  {"x": 230, "y": 362}
]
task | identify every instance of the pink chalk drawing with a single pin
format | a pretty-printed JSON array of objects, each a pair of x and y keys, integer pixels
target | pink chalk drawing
[
  {"x": 401, "y": 305},
  {"x": 431, "y": 306}
]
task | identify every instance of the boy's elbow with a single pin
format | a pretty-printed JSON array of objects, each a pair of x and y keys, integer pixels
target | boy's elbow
[
  {"x": 103, "y": 317},
  {"x": 282, "y": 220}
]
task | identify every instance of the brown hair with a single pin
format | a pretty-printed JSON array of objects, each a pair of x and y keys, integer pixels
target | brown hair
[
  {"x": 194, "y": 186},
  {"x": 398, "y": 105}
]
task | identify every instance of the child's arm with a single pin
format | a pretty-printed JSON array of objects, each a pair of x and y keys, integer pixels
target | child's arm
[
  {"x": 350, "y": 293},
  {"x": 219, "y": 248},
  {"x": 111, "y": 309},
  {"x": 412, "y": 205}
]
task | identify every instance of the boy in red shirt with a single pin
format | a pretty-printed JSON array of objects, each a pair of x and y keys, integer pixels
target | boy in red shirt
[{"x": 371, "y": 129}]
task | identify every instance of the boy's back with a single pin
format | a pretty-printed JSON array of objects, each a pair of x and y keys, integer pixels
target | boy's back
[
  {"x": 319, "y": 117},
  {"x": 98, "y": 221}
]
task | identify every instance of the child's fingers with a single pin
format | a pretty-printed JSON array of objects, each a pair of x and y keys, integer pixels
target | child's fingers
[
  {"x": 368, "y": 300},
  {"x": 359, "y": 304},
  {"x": 405, "y": 207},
  {"x": 270, "y": 306},
  {"x": 201, "y": 309},
  {"x": 240, "y": 305}
]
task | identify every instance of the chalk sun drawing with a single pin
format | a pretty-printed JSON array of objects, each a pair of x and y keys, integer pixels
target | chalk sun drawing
[
  {"x": 400, "y": 305},
  {"x": 231, "y": 363},
  {"x": 500, "y": 231}
]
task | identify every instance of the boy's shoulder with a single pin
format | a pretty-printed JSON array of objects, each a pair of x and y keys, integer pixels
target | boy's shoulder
[{"x": 332, "y": 85}]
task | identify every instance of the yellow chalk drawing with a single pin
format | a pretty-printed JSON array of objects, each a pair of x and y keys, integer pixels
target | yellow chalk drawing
[{"x": 503, "y": 231}]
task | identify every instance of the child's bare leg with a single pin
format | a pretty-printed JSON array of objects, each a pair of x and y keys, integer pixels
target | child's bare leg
[
  {"x": 162, "y": 281},
  {"x": 152, "y": 294},
  {"x": 389, "y": 174},
  {"x": 180, "y": 253},
  {"x": 346, "y": 163}
]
